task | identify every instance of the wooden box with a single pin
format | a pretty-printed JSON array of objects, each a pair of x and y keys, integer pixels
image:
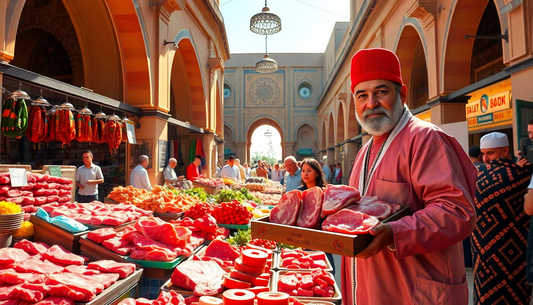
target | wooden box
[
  {"x": 54, "y": 235},
  {"x": 336, "y": 299},
  {"x": 211, "y": 190},
  {"x": 331, "y": 242}
]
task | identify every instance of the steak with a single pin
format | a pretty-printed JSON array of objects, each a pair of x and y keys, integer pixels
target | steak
[
  {"x": 109, "y": 266},
  {"x": 38, "y": 266},
  {"x": 138, "y": 254},
  {"x": 372, "y": 206},
  {"x": 160, "y": 230},
  {"x": 114, "y": 243},
  {"x": 312, "y": 200},
  {"x": 32, "y": 247},
  {"x": 76, "y": 282},
  {"x": 18, "y": 292},
  {"x": 98, "y": 236},
  {"x": 81, "y": 270},
  {"x": 337, "y": 197},
  {"x": 286, "y": 211},
  {"x": 221, "y": 249},
  {"x": 160, "y": 255},
  {"x": 57, "y": 255},
  {"x": 204, "y": 278},
  {"x": 12, "y": 255},
  {"x": 12, "y": 277},
  {"x": 349, "y": 222}
]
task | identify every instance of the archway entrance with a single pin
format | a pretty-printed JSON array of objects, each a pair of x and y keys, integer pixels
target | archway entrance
[{"x": 266, "y": 145}]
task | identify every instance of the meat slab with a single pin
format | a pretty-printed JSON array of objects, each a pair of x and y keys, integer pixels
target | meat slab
[
  {"x": 202, "y": 277},
  {"x": 123, "y": 269},
  {"x": 372, "y": 206},
  {"x": 286, "y": 211},
  {"x": 349, "y": 222},
  {"x": 337, "y": 197},
  {"x": 312, "y": 200}
]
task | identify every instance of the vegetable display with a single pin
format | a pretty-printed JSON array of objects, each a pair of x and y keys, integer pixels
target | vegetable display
[{"x": 160, "y": 199}]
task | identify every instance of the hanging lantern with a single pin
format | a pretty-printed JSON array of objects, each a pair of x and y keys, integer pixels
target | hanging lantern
[
  {"x": 266, "y": 65},
  {"x": 265, "y": 23}
]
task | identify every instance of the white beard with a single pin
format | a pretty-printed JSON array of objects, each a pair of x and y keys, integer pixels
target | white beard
[{"x": 380, "y": 125}]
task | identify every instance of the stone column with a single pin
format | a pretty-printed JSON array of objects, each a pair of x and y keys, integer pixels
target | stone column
[
  {"x": 241, "y": 151},
  {"x": 289, "y": 149},
  {"x": 351, "y": 150},
  {"x": 208, "y": 144}
]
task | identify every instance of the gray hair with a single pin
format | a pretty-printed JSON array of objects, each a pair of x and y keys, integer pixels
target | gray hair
[
  {"x": 143, "y": 158},
  {"x": 293, "y": 159},
  {"x": 172, "y": 160}
]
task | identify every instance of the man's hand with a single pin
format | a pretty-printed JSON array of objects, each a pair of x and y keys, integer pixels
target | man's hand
[
  {"x": 522, "y": 162},
  {"x": 382, "y": 238}
]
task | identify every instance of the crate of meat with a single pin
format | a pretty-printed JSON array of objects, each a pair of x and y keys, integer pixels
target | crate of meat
[
  {"x": 344, "y": 231},
  {"x": 297, "y": 260},
  {"x": 316, "y": 285}
]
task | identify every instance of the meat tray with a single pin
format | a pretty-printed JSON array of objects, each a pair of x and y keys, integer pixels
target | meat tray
[
  {"x": 95, "y": 227},
  {"x": 211, "y": 190},
  {"x": 154, "y": 264},
  {"x": 95, "y": 251},
  {"x": 169, "y": 216},
  {"x": 331, "y": 242},
  {"x": 277, "y": 263},
  {"x": 54, "y": 235},
  {"x": 337, "y": 298},
  {"x": 114, "y": 291}
]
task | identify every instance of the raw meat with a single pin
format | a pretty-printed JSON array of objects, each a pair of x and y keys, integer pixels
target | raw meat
[
  {"x": 87, "y": 285},
  {"x": 349, "y": 222},
  {"x": 55, "y": 301},
  {"x": 18, "y": 292},
  {"x": 138, "y": 254},
  {"x": 38, "y": 266},
  {"x": 169, "y": 298},
  {"x": 288, "y": 282},
  {"x": 115, "y": 243},
  {"x": 32, "y": 247},
  {"x": 309, "y": 216},
  {"x": 100, "y": 235},
  {"x": 337, "y": 197},
  {"x": 160, "y": 255},
  {"x": 109, "y": 266},
  {"x": 221, "y": 249},
  {"x": 12, "y": 277},
  {"x": 395, "y": 208},
  {"x": 10, "y": 302},
  {"x": 372, "y": 206},
  {"x": 12, "y": 255},
  {"x": 286, "y": 211},
  {"x": 57, "y": 255},
  {"x": 160, "y": 230},
  {"x": 142, "y": 242},
  {"x": 81, "y": 270},
  {"x": 204, "y": 278}
]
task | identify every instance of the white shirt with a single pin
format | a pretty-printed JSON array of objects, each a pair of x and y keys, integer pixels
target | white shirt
[
  {"x": 170, "y": 174},
  {"x": 276, "y": 175},
  {"x": 231, "y": 172},
  {"x": 139, "y": 178},
  {"x": 94, "y": 172},
  {"x": 327, "y": 172}
]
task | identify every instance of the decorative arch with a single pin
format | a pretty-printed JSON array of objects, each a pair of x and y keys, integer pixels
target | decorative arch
[
  {"x": 11, "y": 27},
  {"x": 412, "y": 51},
  {"x": 456, "y": 50},
  {"x": 340, "y": 123},
  {"x": 331, "y": 131},
  {"x": 353, "y": 125},
  {"x": 231, "y": 129},
  {"x": 323, "y": 143},
  {"x": 259, "y": 121},
  {"x": 306, "y": 123}
]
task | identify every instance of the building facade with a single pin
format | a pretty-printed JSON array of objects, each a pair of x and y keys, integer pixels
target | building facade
[{"x": 160, "y": 63}]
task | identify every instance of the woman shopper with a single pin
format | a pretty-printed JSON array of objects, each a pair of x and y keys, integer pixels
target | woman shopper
[{"x": 312, "y": 175}]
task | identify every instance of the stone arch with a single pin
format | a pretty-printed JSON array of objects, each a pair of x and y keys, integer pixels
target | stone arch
[
  {"x": 259, "y": 121},
  {"x": 305, "y": 136},
  {"x": 331, "y": 131},
  {"x": 456, "y": 50},
  {"x": 323, "y": 143},
  {"x": 310, "y": 125},
  {"x": 229, "y": 138},
  {"x": 412, "y": 52},
  {"x": 353, "y": 125},
  {"x": 340, "y": 136}
]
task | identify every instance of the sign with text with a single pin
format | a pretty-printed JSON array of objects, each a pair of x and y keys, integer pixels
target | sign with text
[
  {"x": 130, "y": 131},
  {"x": 55, "y": 171},
  {"x": 18, "y": 177},
  {"x": 490, "y": 99}
]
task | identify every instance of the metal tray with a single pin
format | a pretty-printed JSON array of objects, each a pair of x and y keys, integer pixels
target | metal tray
[
  {"x": 278, "y": 264},
  {"x": 116, "y": 290},
  {"x": 155, "y": 264},
  {"x": 169, "y": 216},
  {"x": 337, "y": 298}
]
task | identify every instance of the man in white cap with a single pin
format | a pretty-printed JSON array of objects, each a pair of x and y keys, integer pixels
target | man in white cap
[{"x": 499, "y": 240}]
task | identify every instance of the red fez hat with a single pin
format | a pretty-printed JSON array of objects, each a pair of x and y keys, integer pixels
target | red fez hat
[{"x": 369, "y": 64}]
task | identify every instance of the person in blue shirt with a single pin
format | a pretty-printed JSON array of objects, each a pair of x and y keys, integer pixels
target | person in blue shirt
[{"x": 293, "y": 178}]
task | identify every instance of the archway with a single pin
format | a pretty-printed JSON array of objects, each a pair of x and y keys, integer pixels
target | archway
[
  {"x": 274, "y": 124},
  {"x": 265, "y": 145},
  {"x": 323, "y": 143},
  {"x": 229, "y": 146},
  {"x": 412, "y": 57},
  {"x": 340, "y": 124},
  {"x": 353, "y": 125},
  {"x": 305, "y": 145},
  {"x": 457, "y": 51},
  {"x": 331, "y": 132},
  {"x": 180, "y": 92}
]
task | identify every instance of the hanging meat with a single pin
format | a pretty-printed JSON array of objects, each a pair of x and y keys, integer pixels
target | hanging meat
[
  {"x": 83, "y": 126},
  {"x": 51, "y": 123},
  {"x": 124, "y": 132},
  {"x": 86, "y": 121},
  {"x": 36, "y": 124},
  {"x": 99, "y": 130},
  {"x": 65, "y": 126},
  {"x": 113, "y": 135}
]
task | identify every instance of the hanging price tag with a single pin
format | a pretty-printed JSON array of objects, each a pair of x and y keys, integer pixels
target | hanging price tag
[
  {"x": 130, "y": 131},
  {"x": 18, "y": 177},
  {"x": 55, "y": 171}
]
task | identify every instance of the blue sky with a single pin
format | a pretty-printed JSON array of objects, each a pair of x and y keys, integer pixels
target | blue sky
[{"x": 306, "y": 24}]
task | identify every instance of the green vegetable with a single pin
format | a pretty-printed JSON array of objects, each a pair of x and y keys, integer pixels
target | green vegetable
[
  {"x": 285, "y": 246},
  {"x": 241, "y": 238},
  {"x": 196, "y": 192},
  {"x": 239, "y": 194}
]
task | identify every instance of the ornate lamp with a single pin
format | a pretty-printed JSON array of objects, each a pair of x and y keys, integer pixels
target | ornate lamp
[
  {"x": 267, "y": 64},
  {"x": 265, "y": 23}
]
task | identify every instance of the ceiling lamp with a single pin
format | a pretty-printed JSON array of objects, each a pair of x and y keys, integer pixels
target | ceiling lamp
[
  {"x": 265, "y": 23},
  {"x": 267, "y": 64}
]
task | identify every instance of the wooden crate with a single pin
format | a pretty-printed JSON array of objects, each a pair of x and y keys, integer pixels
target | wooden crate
[
  {"x": 54, "y": 235},
  {"x": 336, "y": 299},
  {"x": 5, "y": 167},
  {"x": 331, "y": 242}
]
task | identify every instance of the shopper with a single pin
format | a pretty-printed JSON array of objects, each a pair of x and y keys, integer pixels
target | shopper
[
  {"x": 312, "y": 175},
  {"x": 293, "y": 176},
  {"x": 88, "y": 177},
  {"x": 169, "y": 174},
  {"x": 338, "y": 177},
  {"x": 499, "y": 240},
  {"x": 247, "y": 170},
  {"x": 261, "y": 170},
  {"x": 276, "y": 174},
  {"x": 139, "y": 176},
  {"x": 242, "y": 171},
  {"x": 417, "y": 259},
  {"x": 325, "y": 170},
  {"x": 230, "y": 170},
  {"x": 475, "y": 155},
  {"x": 193, "y": 170}
]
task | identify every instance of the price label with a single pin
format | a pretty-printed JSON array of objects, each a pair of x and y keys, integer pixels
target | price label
[
  {"x": 130, "y": 131},
  {"x": 18, "y": 177},
  {"x": 55, "y": 171}
]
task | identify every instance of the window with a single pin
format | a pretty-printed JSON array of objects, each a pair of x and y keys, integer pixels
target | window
[
  {"x": 305, "y": 91},
  {"x": 227, "y": 91}
]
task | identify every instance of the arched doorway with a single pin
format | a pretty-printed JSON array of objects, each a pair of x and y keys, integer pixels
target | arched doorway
[
  {"x": 229, "y": 146},
  {"x": 353, "y": 125},
  {"x": 274, "y": 124},
  {"x": 340, "y": 124},
  {"x": 306, "y": 145},
  {"x": 265, "y": 145}
]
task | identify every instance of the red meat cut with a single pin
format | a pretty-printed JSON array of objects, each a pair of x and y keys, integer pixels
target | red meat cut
[
  {"x": 286, "y": 211},
  {"x": 38, "y": 266},
  {"x": 138, "y": 254},
  {"x": 115, "y": 243},
  {"x": 12, "y": 277},
  {"x": 100, "y": 235},
  {"x": 109, "y": 266},
  {"x": 204, "y": 278},
  {"x": 81, "y": 270},
  {"x": 349, "y": 222},
  {"x": 312, "y": 200},
  {"x": 19, "y": 292},
  {"x": 337, "y": 197},
  {"x": 32, "y": 247},
  {"x": 372, "y": 206},
  {"x": 160, "y": 255},
  {"x": 12, "y": 255},
  {"x": 163, "y": 231},
  {"x": 142, "y": 242},
  {"x": 221, "y": 249},
  {"x": 57, "y": 255},
  {"x": 55, "y": 301}
]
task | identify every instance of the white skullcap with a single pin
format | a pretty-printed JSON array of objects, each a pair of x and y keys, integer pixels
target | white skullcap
[{"x": 494, "y": 140}]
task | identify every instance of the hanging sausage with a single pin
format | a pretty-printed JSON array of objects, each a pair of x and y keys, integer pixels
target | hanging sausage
[
  {"x": 113, "y": 133},
  {"x": 51, "y": 122},
  {"x": 83, "y": 129},
  {"x": 65, "y": 127}
]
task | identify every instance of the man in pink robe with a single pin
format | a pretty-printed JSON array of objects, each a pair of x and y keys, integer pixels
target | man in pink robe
[{"x": 419, "y": 258}]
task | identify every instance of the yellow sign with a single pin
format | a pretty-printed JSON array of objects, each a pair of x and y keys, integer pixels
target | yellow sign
[
  {"x": 506, "y": 115},
  {"x": 424, "y": 116},
  {"x": 489, "y": 99},
  {"x": 491, "y": 120}
]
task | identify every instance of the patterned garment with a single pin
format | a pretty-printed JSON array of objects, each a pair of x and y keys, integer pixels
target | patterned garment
[{"x": 499, "y": 240}]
